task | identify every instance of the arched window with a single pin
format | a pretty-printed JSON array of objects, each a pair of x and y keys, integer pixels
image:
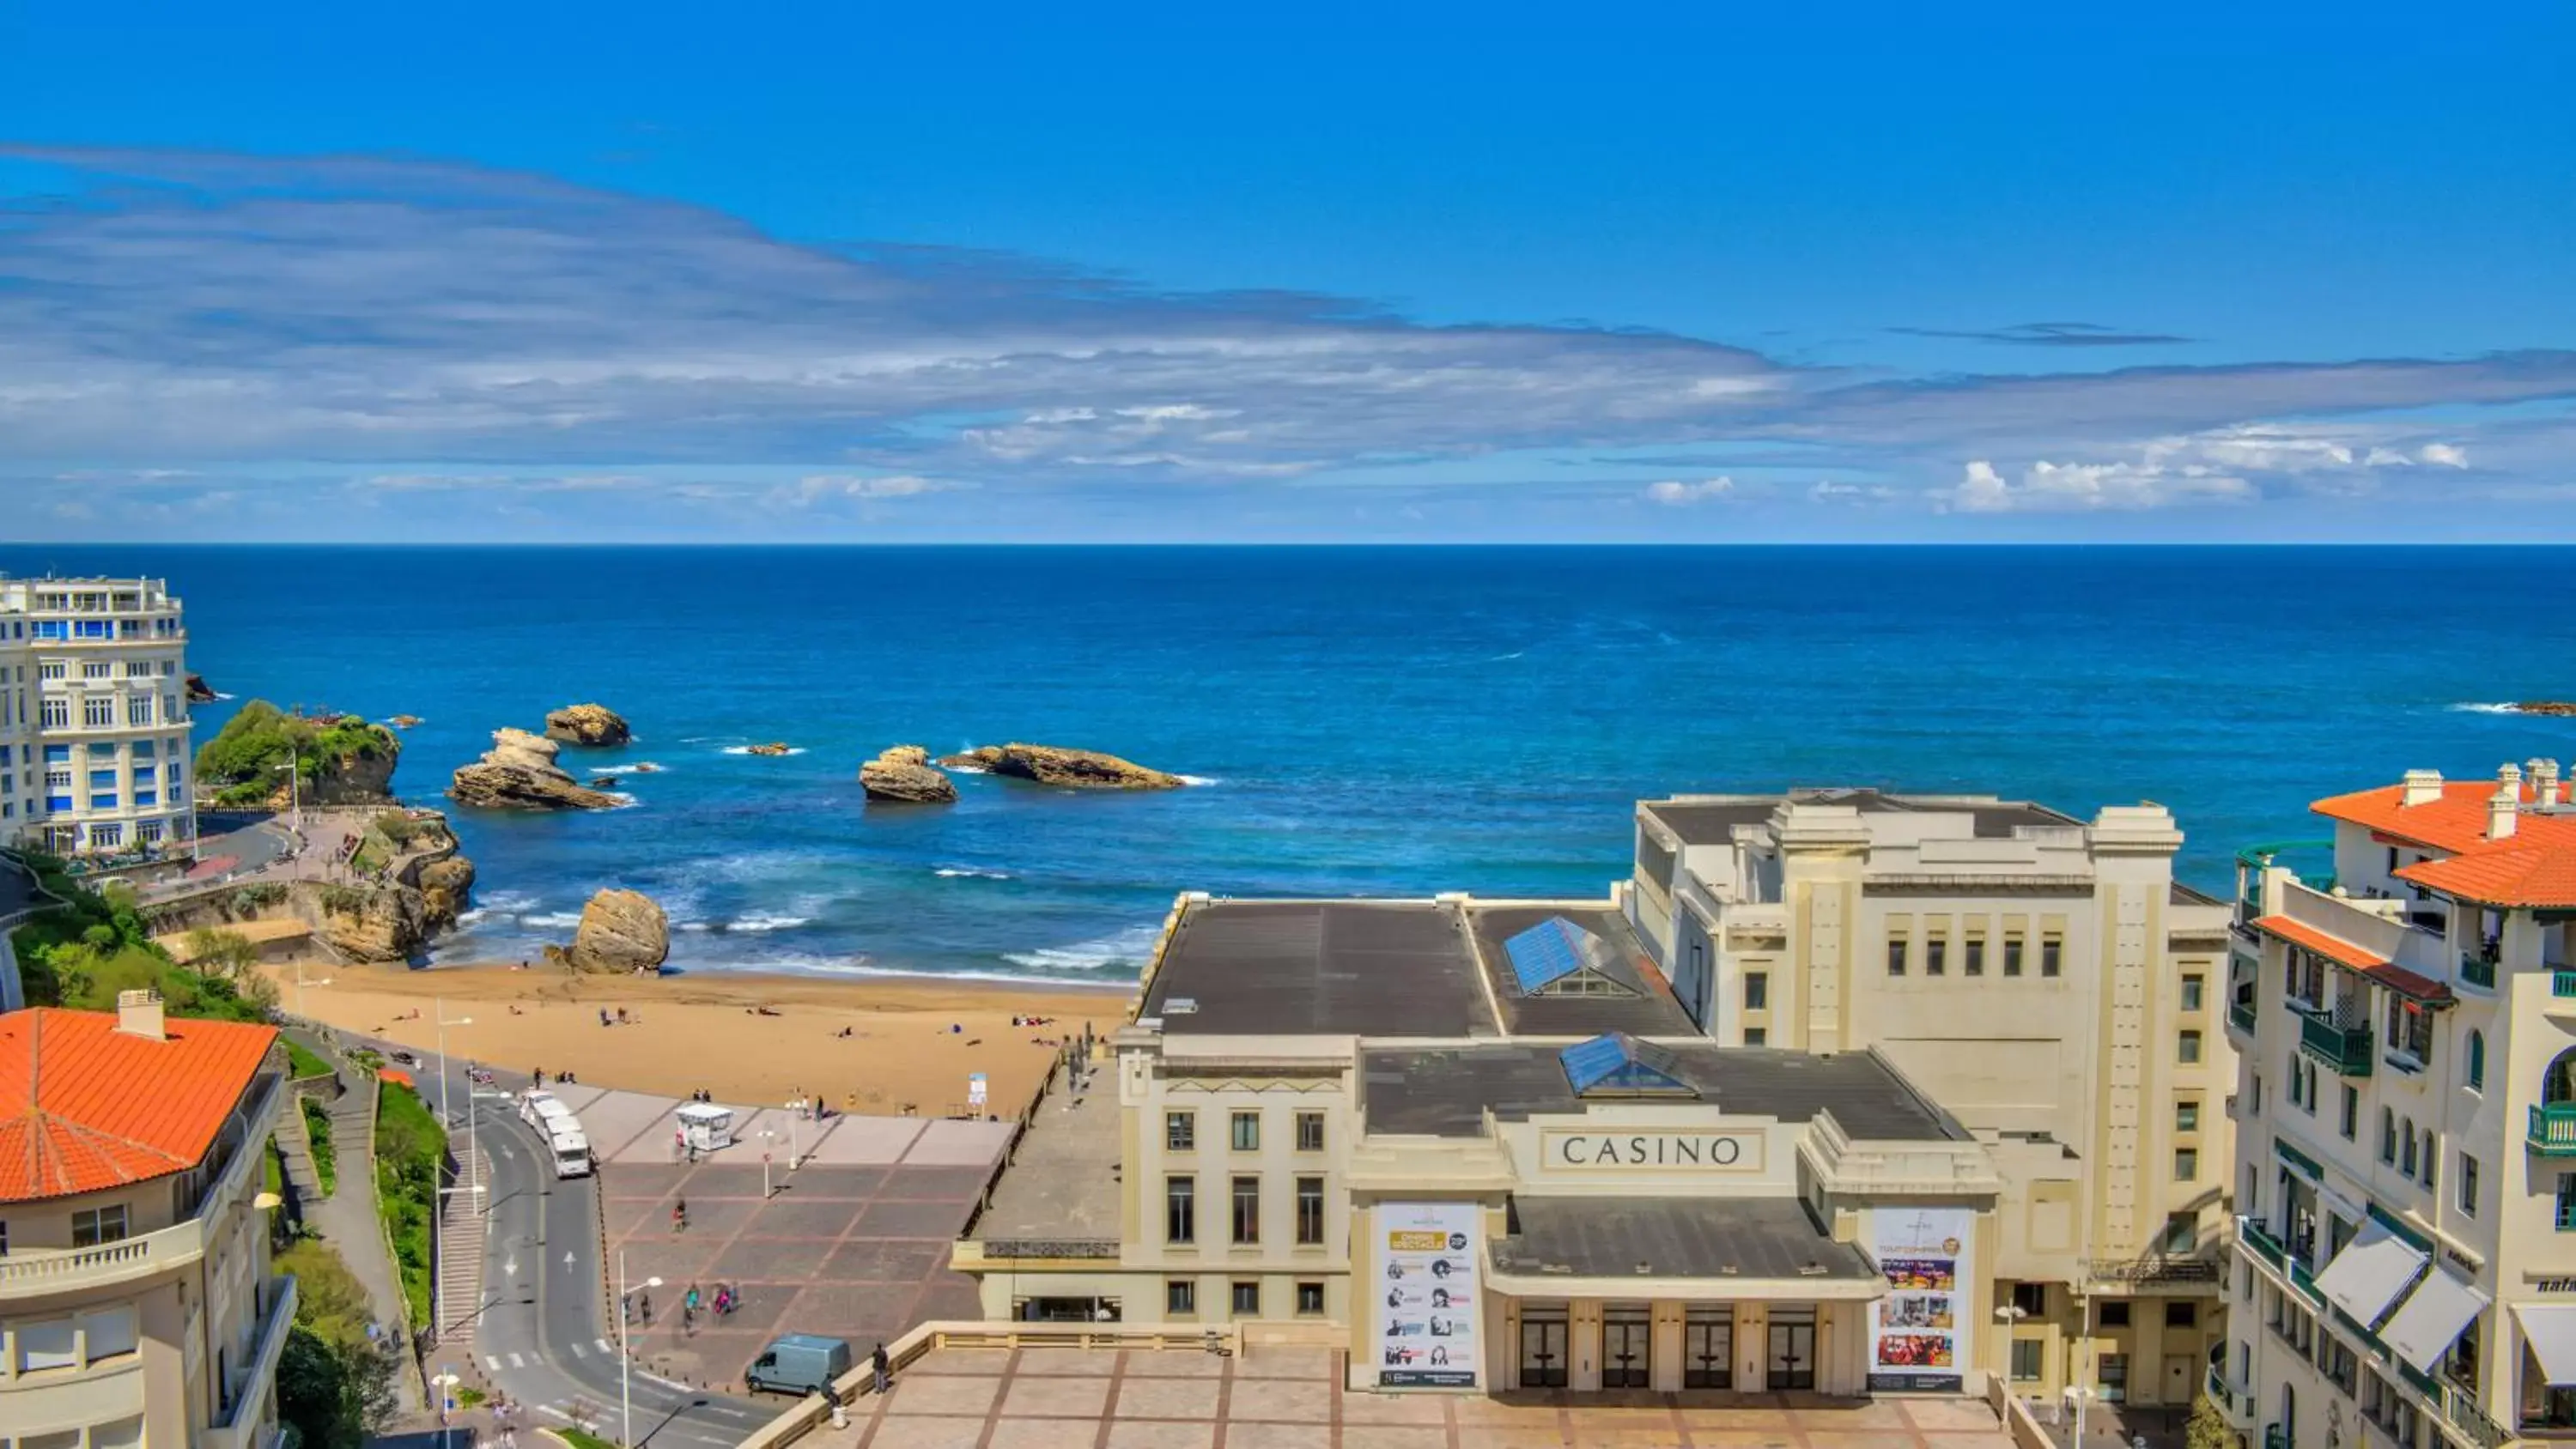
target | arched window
[
  {"x": 2477, "y": 1061},
  {"x": 2559, "y": 1085}
]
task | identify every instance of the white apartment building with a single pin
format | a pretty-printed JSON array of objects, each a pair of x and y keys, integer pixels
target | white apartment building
[
  {"x": 2046, "y": 980},
  {"x": 2406, "y": 1124},
  {"x": 138, "y": 1309},
  {"x": 94, "y": 756}
]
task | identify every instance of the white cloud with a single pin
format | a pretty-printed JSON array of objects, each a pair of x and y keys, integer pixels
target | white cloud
[
  {"x": 2093, "y": 487},
  {"x": 1827, "y": 490},
  {"x": 2445, "y": 455},
  {"x": 898, "y": 485},
  {"x": 1676, "y": 493}
]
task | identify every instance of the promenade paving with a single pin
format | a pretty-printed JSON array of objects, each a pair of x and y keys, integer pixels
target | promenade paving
[
  {"x": 1290, "y": 1398},
  {"x": 853, "y": 1243}
]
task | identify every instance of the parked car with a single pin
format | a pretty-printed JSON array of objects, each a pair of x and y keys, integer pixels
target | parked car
[{"x": 798, "y": 1363}]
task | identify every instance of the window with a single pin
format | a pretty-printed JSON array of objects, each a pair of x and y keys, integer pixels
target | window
[
  {"x": 2012, "y": 955},
  {"x": 2429, "y": 1159},
  {"x": 110, "y": 1334},
  {"x": 1247, "y": 1299},
  {"x": 93, "y": 1226},
  {"x": 2026, "y": 1358},
  {"x": 2187, "y": 1048},
  {"x": 1180, "y": 1210},
  {"x": 1310, "y": 1212},
  {"x": 1975, "y": 964},
  {"x": 2186, "y": 1116},
  {"x": 1310, "y": 1299},
  {"x": 1180, "y": 1297},
  {"x": 2031, "y": 1299},
  {"x": 98, "y": 711},
  {"x": 1757, "y": 991},
  {"x": 1247, "y": 1210},
  {"x": 2351, "y": 1121},
  {"x": 1310, "y": 1131},
  {"x": 2567, "y": 1202},
  {"x": 139, "y": 669},
  {"x": 2468, "y": 1186},
  {"x": 2477, "y": 1055},
  {"x": 2194, "y": 986},
  {"x": 2387, "y": 1135},
  {"x": 102, "y": 779},
  {"x": 1896, "y": 955},
  {"x": 2114, "y": 1314},
  {"x": 1180, "y": 1131},
  {"x": 2052, "y": 953},
  {"x": 45, "y": 1345},
  {"x": 1246, "y": 1127},
  {"x": 2181, "y": 1235},
  {"x": 2182, "y": 1313},
  {"x": 50, "y": 669},
  {"x": 2115, "y": 1377},
  {"x": 2406, "y": 1139},
  {"x": 1756, "y": 1036},
  {"x": 1936, "y": 957},
  {"x": 2186, "y": 1164},
  {"x": 58, "y": 713},
  {"x": 94, "y": 669}
]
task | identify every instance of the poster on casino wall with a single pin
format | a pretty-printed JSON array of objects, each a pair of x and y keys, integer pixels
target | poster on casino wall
[
  {"x": 1425, "y": 1291},
  {"x": 1919, "y": 1332}
]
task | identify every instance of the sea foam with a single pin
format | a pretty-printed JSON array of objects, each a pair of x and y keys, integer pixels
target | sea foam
[{"x": 1128, "y": 948}]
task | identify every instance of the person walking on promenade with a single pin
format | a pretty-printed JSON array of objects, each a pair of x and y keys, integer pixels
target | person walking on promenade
[
  {"x": 882, "y": 1370},
  {"x": 679, "y": 1215}
]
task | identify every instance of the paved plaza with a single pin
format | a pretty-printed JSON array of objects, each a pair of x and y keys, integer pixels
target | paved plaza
[
  {"x": 853, "y": 1243},
  {"x": 1284, "y": 1398}
]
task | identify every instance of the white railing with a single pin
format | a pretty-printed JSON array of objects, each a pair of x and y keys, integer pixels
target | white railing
[{"x": 248, "y": 1394}]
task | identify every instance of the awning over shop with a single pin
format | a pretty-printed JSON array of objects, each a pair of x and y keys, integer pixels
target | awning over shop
[
  {"x": 2550, "y": 1329},
  {"x": 2370, "y": 1272},
  {"x": 1674, "y": 1237},
  {"x": 2434, "y": 1314}
]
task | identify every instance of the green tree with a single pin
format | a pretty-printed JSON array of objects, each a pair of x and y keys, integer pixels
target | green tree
[
  {"x": 217, "y": 952},
  {"x": 2207, "y": 1428},
  {"x": 314, "y": 1395}
]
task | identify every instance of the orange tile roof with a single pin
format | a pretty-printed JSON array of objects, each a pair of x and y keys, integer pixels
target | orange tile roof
[
  {"x": 2533, "y": 867},
  {"x": 2360, "y": 958},
  {"x": 84, "y": 1107}
]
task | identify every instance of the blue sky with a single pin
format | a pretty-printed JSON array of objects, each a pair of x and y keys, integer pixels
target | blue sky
[{"x": 653, "y": 272}]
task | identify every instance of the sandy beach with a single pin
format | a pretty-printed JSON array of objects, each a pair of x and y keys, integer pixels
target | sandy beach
[{"x": 708, "y": 1030}]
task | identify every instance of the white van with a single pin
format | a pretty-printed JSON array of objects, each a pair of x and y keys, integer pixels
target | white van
[
  {"x": 549, "y": 1117},
  {"x": 532, "y": 1101},
  {"x": 571, "y": 1152}
]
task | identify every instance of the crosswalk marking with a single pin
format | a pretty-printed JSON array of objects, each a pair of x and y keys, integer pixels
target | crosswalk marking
[
  {"x": 491, "y": 1364},
  {"x": 581, "y": 1350},
  {"x": 603, "y": 1345},
  {"x": 518, "y": 1360}
]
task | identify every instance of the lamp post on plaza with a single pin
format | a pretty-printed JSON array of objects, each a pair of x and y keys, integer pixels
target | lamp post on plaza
[{"x": 626, "y": 1354}]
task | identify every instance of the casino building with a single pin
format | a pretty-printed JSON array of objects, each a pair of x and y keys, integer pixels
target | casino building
[{"x": 1487, "y": 1145}]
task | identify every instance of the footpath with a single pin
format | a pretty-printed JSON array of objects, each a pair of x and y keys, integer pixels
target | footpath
[{"x": 348, "y": 1219}]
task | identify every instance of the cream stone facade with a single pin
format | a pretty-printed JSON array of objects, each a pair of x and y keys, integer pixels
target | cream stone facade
[
  {"x": 141, "y": 1314},
  {"x": 2043, "y": 978},
  {"x": 1744, "y": 1124},
  {"x": 94, "y": 718},
  {"x": 2407, "y": 1124}
]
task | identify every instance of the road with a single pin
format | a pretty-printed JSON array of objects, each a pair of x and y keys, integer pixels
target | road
[{"x": 539, "y": 1335}]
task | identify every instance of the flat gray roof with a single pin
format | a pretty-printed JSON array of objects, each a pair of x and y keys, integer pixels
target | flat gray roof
[
  {"x": 1320, "y": 968},
  {"x": 1062, "y": 1181},
  {"x": 1651, "y": 1011},
  {"x": 1674, "y": 1237},
  {"x": 1712, "y": 821},
  {"x": 1444, "y": 1091}
]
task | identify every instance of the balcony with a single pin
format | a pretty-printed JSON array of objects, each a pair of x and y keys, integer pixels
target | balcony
[
  {"x": 2275, "y": 1437},
  {"x": 2236, "y": 1408},
  {"x": 2553, "y": 1130},
  {"x": 2344, "y": 1048},
  {"x": 2154, "y": 1270},
  {"x": 2477, "y": 969},
  {"x": 245, "y": 1400},
  {"x": 2562, "y": 983},
  {"x": 2240, "y": 1017}
]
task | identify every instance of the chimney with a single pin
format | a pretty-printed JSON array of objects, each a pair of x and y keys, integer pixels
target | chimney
[
  {"x": 2422, "y": 787},
  {"x": 2544, "y": 784},
  {"x": 138, "y": 1013},
  {"x": 2501, "y": 808}
]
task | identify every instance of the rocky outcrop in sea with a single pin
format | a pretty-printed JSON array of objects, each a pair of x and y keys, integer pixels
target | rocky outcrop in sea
[
  {"x": 1055, "y": 765},
  {"x": 620, "y": 931},
  {"x": 2557, "y": 707},
  {"x": 587, "y": 724},
  {"x": 903, "y": 775},
  {"x": 519, "y": 773}
]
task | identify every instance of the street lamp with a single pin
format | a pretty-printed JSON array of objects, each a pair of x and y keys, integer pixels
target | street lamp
[
  {"x": 474, "y": 1188},
  {"x": 795, "y": 1110},
  {"x": 767, "y": 1136},
  {"x": 446, "y": 1382},
  {"x": 626, "y": 1354},
  {"x": 300, "y": 983}
]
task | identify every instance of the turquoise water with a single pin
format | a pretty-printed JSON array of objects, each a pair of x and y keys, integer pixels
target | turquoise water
[{"x": 1365, "y": 720}]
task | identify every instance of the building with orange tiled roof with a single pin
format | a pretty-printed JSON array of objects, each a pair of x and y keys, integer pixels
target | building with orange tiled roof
[
  {"x": 2406, "y": 1122},
  {"x": 137, "y": 1307}
]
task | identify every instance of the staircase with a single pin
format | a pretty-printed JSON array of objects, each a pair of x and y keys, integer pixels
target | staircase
[{"x": 295, "y": 1156}]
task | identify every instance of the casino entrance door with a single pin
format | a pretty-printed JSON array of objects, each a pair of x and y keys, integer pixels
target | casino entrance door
[{"x": 1544, "y": 1338}]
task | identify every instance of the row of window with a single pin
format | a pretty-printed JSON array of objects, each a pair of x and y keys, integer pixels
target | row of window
[
  {"x": 1243, "y": 1218},
  {"x": 95, "y": 629},
  {"x": 69, "y": 1343},
  {"x": 1181, "y": 1298},
  {"x": 106, "y": 669},
  {"x": 1243, "y": 1131},
  {"x": 98, "y": 711},
  {"x": 1972, "y": 960}
]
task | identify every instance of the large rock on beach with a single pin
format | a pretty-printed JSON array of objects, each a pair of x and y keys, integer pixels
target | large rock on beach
[
  {"x": 519, "y": 773},
  {"x": 587, "y": 724},
  {"x": 1073, "y": 769},
  {"x": 620, "y": 931},
  {"x": 371, "y": 923},
  {"x": 903, "y": 776}
]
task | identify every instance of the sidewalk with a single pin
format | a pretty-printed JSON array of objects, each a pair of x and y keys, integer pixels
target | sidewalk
[{"x": 348, "y": 1220}]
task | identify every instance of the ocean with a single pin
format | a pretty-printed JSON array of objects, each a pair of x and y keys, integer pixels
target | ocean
[{"x": 1357, "y": 720}]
